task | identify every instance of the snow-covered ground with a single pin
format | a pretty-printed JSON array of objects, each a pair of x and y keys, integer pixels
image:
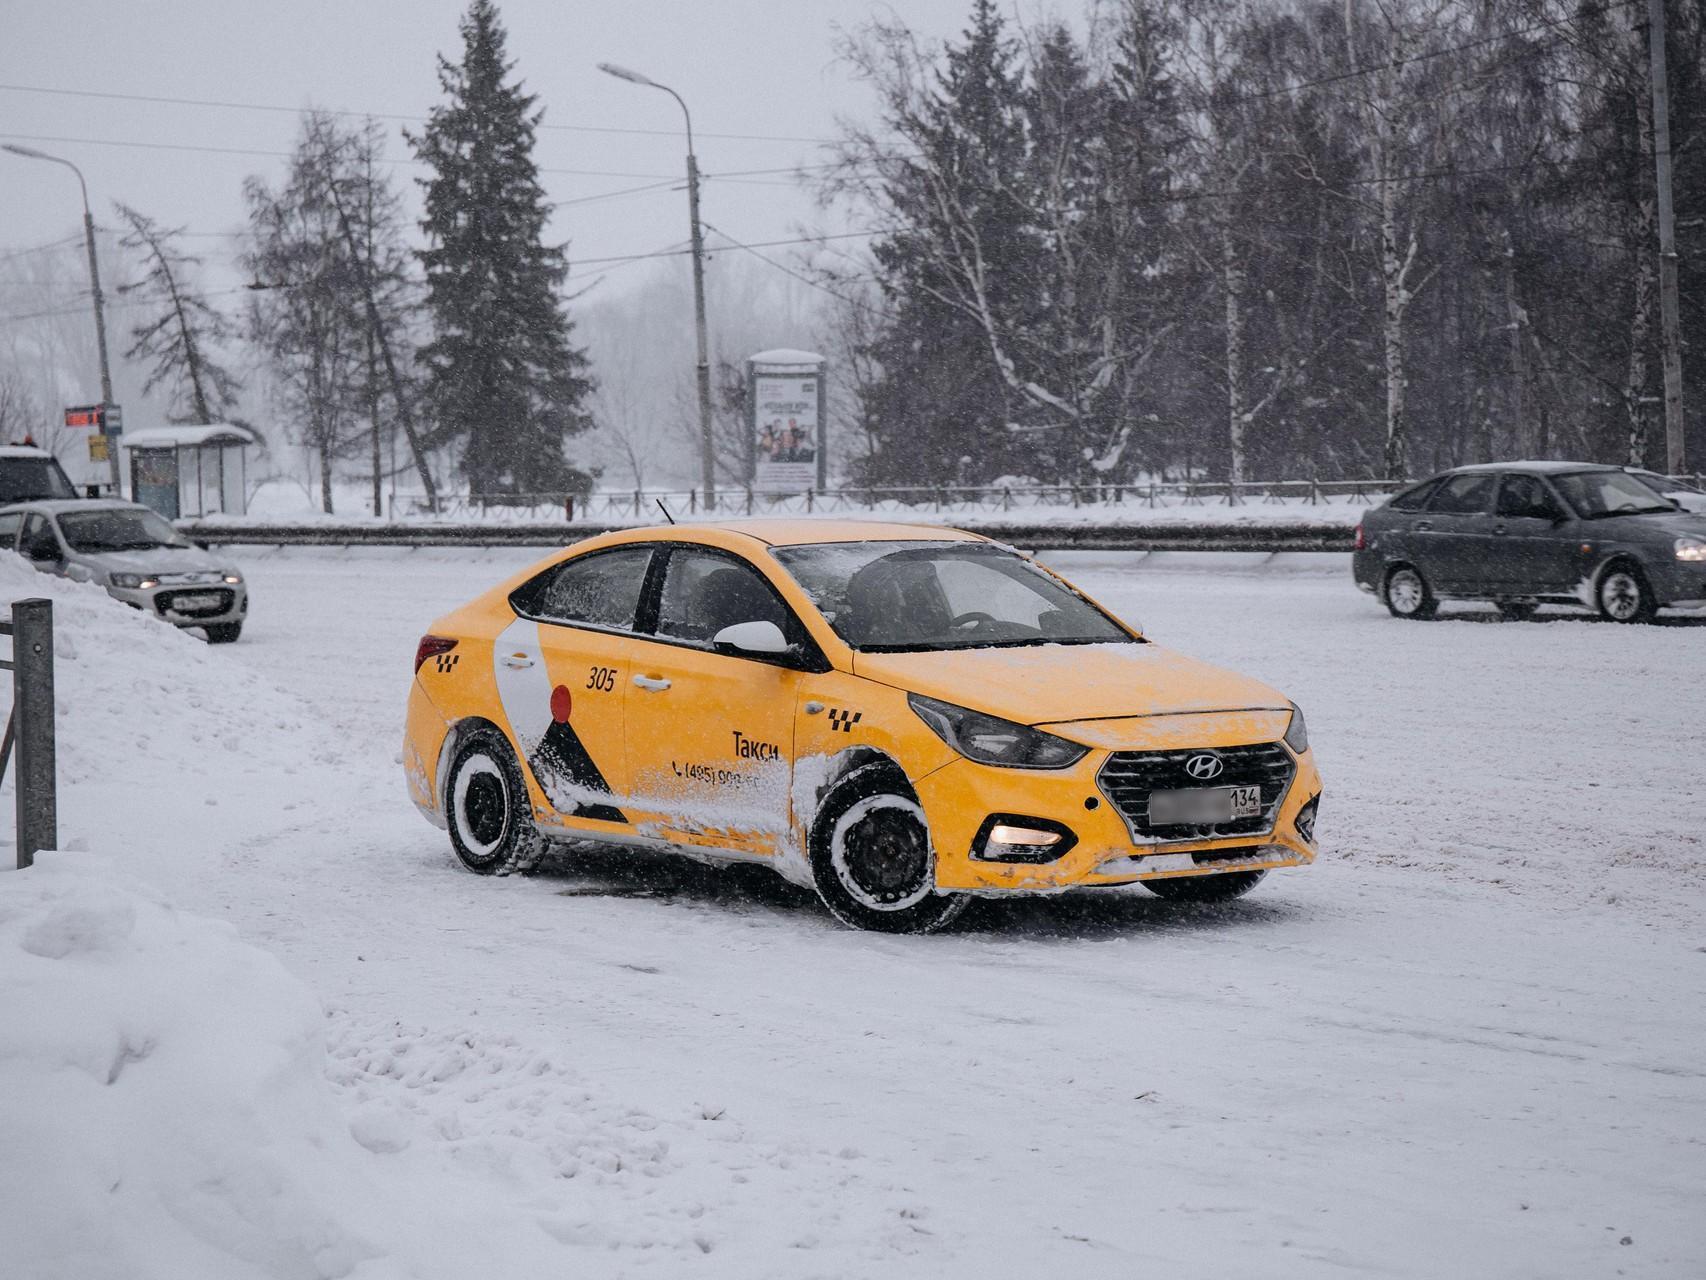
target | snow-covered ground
[{"x": 1469, "y": 1041}]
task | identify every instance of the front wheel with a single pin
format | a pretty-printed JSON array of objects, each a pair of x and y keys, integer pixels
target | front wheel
[
  {"x": 1624, "y": 596},
  {"x": 1408, "y": 595},
  {"x": 872, "y": 861},
  {"x": 1222, "y": 887},
  {"x": 223, "y": 632},
  {"x": 487, "y": 810}
]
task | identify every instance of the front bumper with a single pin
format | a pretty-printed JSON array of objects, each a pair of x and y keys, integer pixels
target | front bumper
[
  {"x": 960, "y": 796},
  {"x": 175, "y": 602}
]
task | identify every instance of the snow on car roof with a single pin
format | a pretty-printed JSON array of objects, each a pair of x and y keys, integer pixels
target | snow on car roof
[
  {"x": 22, "y": 451},
  {"x": 1538, "y": 466},
  {"x": 54, "y": 506},
  {"x": 784, "y": 532}
]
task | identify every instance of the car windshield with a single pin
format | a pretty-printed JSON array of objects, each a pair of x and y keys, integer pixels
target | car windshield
[
  {"x": 30, "y": 479},
  {"x": 898, "y": 597},
  {"x": 94, "y": 531},
  {"x": 1667, "y": 486},
  {"x": 1597, "y": 494}
]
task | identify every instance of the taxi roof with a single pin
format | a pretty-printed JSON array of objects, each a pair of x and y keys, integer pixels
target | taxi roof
[{"x": 783, "y": 532}]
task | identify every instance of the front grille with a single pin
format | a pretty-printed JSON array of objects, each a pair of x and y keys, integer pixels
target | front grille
[
  {"x": 169, "y": 600},
  {"x": 1129, "y": 776}
]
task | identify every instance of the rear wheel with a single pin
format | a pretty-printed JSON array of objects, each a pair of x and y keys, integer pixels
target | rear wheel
[
  {"x": 1623, "y": 594},
  {"x": 1223, "y": 887},
  {"x": 1408, "y": 595},
  {"x": 1517, "y": 610},
  {"x": 871, "y": 857},
  {"x": 223, "y": 632},
  {"x": 486, "y": 808}
]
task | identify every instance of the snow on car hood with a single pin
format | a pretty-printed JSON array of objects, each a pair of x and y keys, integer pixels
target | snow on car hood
[
  {"x": 155, "y": 560},
  {"x": 1055, "y": 683}
]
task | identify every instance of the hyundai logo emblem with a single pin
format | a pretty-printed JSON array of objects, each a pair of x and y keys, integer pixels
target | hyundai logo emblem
[{"x": 1204, "y": 767}]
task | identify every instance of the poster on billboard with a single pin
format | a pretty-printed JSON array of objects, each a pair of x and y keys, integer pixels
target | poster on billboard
[{"x": 785, "y": 395}]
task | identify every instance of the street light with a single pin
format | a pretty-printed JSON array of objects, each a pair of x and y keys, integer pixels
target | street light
[
  {"x": 707, "y": 455},
  {"x": 30, "y": 153}
]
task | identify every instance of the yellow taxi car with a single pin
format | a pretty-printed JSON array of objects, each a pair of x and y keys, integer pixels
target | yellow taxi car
[{"x": 897, "y": 716}]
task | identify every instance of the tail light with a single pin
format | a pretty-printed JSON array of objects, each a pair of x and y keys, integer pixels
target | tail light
[
  {"x": 1361, "y": 542},
  {"x": 431, "y": 647}
]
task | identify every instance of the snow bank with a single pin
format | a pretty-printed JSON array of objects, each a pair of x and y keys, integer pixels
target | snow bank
[{"x": 158, "y": 733}]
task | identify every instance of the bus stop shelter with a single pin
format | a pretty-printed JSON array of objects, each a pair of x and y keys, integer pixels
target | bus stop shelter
[{"x": 189, "y": 471}]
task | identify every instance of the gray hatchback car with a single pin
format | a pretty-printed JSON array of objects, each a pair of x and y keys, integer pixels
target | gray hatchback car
[
  {"x": 1520, "y": 534},
  {"x": 137, "y": 556}
]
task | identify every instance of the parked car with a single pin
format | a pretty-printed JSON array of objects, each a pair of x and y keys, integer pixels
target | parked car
[
  {"x": 1523, "y": 533},
  {"x": 27, "y": 472},
  {"x": 898, "y": 717},
  {"x": 137, "y": 556},
  {"x": 1687, "y": 496}
]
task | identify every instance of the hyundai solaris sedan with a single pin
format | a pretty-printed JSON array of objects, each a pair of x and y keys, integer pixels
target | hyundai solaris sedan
[{"x": 896, "y": 716}]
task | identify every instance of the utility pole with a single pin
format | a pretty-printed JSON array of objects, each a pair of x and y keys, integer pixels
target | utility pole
[
  {"x": 1670, "y": 322},
  {"x": 30, "y": 153},
  {"x": 702, "y": 371}
]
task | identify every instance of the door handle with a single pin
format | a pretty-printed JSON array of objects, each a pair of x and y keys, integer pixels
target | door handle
[
  {"x": 517, "y": 661},
  {"x": 1423, "y": 525},
  {"x": 652, "y": 683},
  {"x": 1498, "y": 528}
]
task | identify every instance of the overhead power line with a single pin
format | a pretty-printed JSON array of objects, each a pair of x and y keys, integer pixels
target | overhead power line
[{"x": 385, "y": 115}]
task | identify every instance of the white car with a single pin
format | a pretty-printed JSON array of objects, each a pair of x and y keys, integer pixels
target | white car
[{"x": 137, "y": 556}]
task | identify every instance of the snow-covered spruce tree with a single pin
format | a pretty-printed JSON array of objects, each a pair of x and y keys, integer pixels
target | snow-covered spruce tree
[
  {"x": 182, "y": 337},
  {"x": 504, "y": 378}
]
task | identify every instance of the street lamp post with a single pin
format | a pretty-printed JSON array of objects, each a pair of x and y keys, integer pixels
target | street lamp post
[
  {"x": 30, "y": 153},
  {"x": 707, "y": 453}
]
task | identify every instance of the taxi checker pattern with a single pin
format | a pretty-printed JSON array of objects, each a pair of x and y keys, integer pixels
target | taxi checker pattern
[{"x": 661, "y": 687}]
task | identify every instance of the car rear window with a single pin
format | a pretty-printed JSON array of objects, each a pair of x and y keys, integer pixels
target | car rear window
[{"x": 1415, "y": 497}]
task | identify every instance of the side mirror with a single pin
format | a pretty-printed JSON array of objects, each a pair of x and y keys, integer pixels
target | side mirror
[{"x": 752, "y": 637}]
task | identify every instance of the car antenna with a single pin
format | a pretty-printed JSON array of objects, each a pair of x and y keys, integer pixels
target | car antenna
[{"x": 664, "y": 509}]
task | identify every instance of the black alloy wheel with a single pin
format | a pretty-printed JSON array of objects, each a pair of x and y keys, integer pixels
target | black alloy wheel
[
  {"x": 486, "y": 808},
  {"x": 871, "y": 857}
]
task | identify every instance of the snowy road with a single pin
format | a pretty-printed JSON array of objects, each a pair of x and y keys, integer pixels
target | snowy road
[{"x": 1469, "y": 1041}]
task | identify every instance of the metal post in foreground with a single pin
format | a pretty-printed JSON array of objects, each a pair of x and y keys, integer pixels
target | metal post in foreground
[
  {"x": 1670, "y": 324},
  {"x": 31, "y": 728}
]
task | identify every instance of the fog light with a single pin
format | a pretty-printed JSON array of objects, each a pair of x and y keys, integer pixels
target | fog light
[
  {"x": 1004, "y": 834},
  {"x": 1008, "y": 837}
]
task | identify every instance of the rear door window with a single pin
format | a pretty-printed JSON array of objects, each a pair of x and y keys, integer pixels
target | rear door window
[
  {"x": 1465, "y": 495},
  {"x": 598, "y": 590},
  {"x": 1526, "y": 497}
]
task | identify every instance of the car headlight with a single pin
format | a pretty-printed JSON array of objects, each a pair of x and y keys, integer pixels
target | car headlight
[
  {"x": 1691, "y": 549},
  {"x": 131, "y": 581},
  {"x": 233, "y": 577},
  {"x": 1297, "y": 733},
  {"x": 989, "y": 739}
]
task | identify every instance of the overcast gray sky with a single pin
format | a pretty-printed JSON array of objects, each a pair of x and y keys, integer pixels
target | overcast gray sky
[{"x": 746, "y": 67}]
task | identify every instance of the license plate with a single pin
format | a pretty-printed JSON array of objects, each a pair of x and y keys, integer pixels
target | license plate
[
  {"x": 186, "y": 603},
  {"x": 1203, "y": 806}
]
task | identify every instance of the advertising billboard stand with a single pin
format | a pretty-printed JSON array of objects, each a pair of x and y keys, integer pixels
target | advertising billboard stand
[{"x": 786, "y": 435}]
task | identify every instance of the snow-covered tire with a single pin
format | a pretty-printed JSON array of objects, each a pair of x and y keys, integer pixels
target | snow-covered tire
[
  {"x": 223, "y": 632},
  {"x": 1222, "y": 887},
  {"x": 487, "y": 810},
  {"x": 872, "y": 861},
  {"x": 1407, "y": 594},
  {"x": 1622, "y": 594}
]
